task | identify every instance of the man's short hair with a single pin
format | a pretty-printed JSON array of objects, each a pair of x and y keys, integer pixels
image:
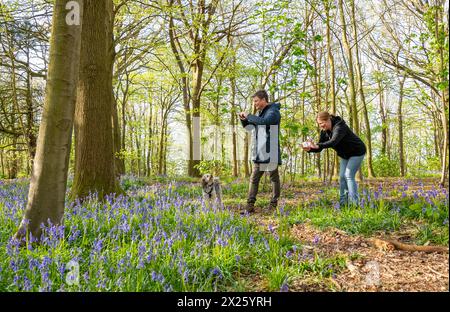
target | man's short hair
[{"x": 262, "y": 94}]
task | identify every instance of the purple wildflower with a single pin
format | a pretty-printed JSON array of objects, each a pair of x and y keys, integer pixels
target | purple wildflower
[
  {"x": 26, "y": 284},
  {"x": 216, "y": 272},
  {"x": 316, "y": 239},
  {"x": 284, "y": 287},
  {"x": 222, "y": 242},
  {"x": 98, "y": 245}
]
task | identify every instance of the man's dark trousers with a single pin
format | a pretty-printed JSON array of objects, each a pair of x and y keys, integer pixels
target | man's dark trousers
[{"x": 254, "y": 184}]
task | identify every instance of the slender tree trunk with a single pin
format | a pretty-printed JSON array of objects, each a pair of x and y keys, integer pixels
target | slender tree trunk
[
  {"x": 136, "y": 137},
  {"x": 334, "y": 171},
  {"x": 370, "y": 171},
  {"x": 351, "y": 75},
  {"x": 436, "y": 137},
  {"x": 118, "y": 159},
  {"x": 233, "y": 119},
  {"x": 2, "y": 164},
  {"x": 119, "y": 162},
  {"x": 166, "y": 135},
  {"x": 400, "y": 129},
  {"x": 197, "y": 74},
  {"x": 94, "y": 149},
  {"x": 318, "y": 102},
  {"x": 384, "y": 129},
  {"x": 150, "y": 139},
  {"x": 14, "y": 163},
  {"x": 444, "y": 94},
  {"x": 48, "y": 182},
  {"x": 31, "y": 137},
  {"x": 246, "y": 160},
  {"x": 304, "y": 154},
  {"x": 161, "y": 143},
  {"x": 124, "y": 110}
]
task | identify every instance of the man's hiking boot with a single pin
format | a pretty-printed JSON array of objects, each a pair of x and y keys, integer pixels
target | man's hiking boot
[
  {"x": 271, "y": 207},
  {"x": 248, "y": 209}
]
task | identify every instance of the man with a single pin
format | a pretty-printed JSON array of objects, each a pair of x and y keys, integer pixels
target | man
[{"x": 266, "y": 148}]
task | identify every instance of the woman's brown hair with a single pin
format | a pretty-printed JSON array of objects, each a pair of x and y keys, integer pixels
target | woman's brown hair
[{"x": 324, "y": 116}]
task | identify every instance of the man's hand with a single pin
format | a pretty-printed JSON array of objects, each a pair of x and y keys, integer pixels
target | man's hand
[{"x": 243, "y": 115}]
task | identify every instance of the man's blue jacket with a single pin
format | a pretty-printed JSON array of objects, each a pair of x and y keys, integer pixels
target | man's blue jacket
[{"x": 266, "y": 125}]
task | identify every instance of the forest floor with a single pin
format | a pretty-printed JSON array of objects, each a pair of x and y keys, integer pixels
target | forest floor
[
  {"x": 160, "y": 236},
  {"x": 367, "y": 268}
]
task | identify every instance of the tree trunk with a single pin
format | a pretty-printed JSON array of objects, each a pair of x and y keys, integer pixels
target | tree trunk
[
  {"x": 400, "y": 129},
  {"x": 31, "y": 137},
  {"x": 48, "y": 181},
  {"x": 94, "y": 148},
  {"x": 351, "y": 76},
  {"x": 370, "y": 171},
  {"x": 118, "y": 159},
  {"x": 334, "y": 172},
  {"x": 150, "y": 139},
  {"x": 246, "y": 160},
  {"x": 233, "y": 119},
  {"x": 161, "y": 143},
  {"x": 316, "y": 84},
  {"x": 384, "y": 126},
  {"x": 197, "y": 74},
  {"x": 444, "y": 94}
]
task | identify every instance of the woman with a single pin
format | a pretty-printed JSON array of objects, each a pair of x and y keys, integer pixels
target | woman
[{"x": 350, "y": 148}]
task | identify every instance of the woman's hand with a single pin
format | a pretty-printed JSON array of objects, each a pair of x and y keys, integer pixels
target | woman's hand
[
  {"x": 309, "y": 145},
  {"x": 306, "y": 146}
]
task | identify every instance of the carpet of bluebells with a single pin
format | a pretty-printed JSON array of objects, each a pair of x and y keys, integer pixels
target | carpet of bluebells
[
  {"x": 161, "y": 237},
  {"x": 154, "y": 239},
  {"x": 405, "y": 205}
]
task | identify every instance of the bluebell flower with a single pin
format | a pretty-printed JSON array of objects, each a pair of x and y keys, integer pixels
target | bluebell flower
[
  {"x": 216, "y": 272},
  {"x": 98, "y": 245},
  {"x": 86, "y": 277},
  {"x": 101, "y": 284},
  {"x": 222, "y": 242},
  {"x": 316, "y": 239},
  {"x": 61, "y": 269},
  {"x": 46, "y": 261},
  {"x": 26, "y": 284},
  {"x": 284, "y": 287},
  {"x": 16, "y": 280}
]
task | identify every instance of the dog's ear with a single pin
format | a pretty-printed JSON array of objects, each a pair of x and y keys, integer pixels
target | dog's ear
[{"x": 205, "y": 179}]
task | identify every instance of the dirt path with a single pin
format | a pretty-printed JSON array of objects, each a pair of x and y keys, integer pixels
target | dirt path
[
  {"x": 367, "y": 267},
  {"x": 373, "y": 269}
]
